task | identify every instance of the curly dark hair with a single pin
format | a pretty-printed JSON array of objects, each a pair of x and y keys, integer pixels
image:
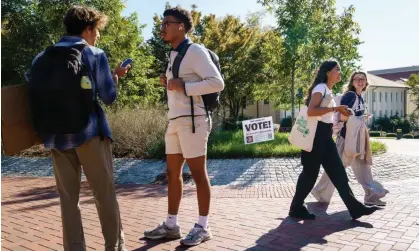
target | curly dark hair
[
  {"x": 78, "y": 18},
  {"x": 183, "y": 16}
]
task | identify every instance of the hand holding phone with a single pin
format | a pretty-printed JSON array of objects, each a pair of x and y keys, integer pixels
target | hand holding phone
[
  {"x": 350, "y": 111},
  {"x": 123, "y": 68},
  {"x": 127, "y": 62}
]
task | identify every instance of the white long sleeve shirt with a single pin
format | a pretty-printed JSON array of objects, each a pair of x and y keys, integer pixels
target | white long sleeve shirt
[{"x": 201, "y": 77}]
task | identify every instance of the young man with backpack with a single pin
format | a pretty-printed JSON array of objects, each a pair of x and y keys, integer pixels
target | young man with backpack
[
  {"x": 193, "y": 81},
  {"x": 65, "y": 82}
]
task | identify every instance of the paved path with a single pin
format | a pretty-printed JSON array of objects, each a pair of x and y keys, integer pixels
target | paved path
[
  {"x": 250, "y": 218},
  {"x": 238, "y": 172},
  {"x": 249, "y": 208},
  {"x": 403, "y": 146}
]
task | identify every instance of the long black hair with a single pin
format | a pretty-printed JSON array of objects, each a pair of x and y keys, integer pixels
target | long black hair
[{"x": 321, "y": 77}]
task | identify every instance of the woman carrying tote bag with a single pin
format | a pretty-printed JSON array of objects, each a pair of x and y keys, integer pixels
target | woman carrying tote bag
[
  {"x": 324, "y": 150},
  {"x": 374, "y": 191}
]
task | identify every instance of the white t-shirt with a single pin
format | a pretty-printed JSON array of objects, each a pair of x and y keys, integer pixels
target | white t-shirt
[{"x": 326, "y": 93}]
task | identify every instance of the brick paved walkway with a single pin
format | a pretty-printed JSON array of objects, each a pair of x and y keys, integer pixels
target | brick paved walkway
[{"x": 242, "y": 218}]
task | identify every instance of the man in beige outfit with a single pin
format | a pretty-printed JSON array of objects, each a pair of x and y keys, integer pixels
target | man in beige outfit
[{"x": 189, "y": 124}]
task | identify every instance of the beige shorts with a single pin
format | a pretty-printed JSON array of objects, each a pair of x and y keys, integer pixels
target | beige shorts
[{"x": 180, "y": 139}]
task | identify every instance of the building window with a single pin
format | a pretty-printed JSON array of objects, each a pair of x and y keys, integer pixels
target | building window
[
  {"x": 380, "y": 96},
  {"x": 385, "y": 114},
  {"x": 266, "y": 102},
  {"x": 401, "y": 96},
  {"x": 391, "y": 113},
  {"x": 373, "y": 97},
  {"x": 381, "y": 114},
  {"x": 397, "y": 97},
  {"x": 385, "y": 97},
  {"x": 402, "y": 113},
  {"x": 391, "y": 97}
]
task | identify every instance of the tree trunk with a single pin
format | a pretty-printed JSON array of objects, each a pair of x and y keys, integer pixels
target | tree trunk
[
  {"x": 292, "y": 92},
  {"x": 236, "y": 109}
]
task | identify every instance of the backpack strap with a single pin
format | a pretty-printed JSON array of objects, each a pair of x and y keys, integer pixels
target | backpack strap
[
  {"x": 175, "y": 70},
  {"x": 80, "y": 47},
  {"x": 356, "y": 102},
  {"x": 178, "y": 60},
  {"x": 309, "y": 99}
]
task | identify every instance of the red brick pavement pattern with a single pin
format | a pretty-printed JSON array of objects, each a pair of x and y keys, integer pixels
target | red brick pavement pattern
[{"x": 249, "y": 218}]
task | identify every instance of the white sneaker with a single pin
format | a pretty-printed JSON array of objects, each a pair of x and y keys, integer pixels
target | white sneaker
[
  {"x": 376, "y": 202},
  {"x": 196, "y": 236},
  {"x": 319, "y": 198},
  {"x": 163, "y": 231}
]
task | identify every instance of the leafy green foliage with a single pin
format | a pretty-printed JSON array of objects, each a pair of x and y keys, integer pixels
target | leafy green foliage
[
  {"x": 375, "y": 134},
  {"x": 391, "y": 124},
  {"x": 312, "y": 32},
  {"x": 246, "y": 53},
  {"x": 413, "y": 83},
  {"x": 28, "y": 27}
]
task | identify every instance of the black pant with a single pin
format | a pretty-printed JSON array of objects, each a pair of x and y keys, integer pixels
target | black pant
[{"x": 324, "y": 153}]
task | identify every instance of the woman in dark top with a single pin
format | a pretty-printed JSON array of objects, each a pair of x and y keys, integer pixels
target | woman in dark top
[
  {"x": 324, "y": 148},
  {"x": 374, "y": 191}
]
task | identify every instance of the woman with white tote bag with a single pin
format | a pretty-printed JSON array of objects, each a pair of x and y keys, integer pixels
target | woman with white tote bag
[
  {"x": 324, "y": 150},
  {"x": 374, "y": 191}
]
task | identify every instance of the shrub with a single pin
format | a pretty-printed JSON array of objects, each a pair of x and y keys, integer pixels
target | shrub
[
  {"x": 375, "y": 134},
  {"x": 231, "y": 124},
  {"x": 138, "y": 133},
  {"x": 408, "y": 136},
  {"x": 286, "y": 122},
  {"x": 378, "y": 147},
  {"x": 391, "y": 135},
  {"x": 390, "y": 124}
]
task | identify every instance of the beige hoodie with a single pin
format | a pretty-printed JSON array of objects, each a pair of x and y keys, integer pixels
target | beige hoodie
[{"x": 357, "y": 141}]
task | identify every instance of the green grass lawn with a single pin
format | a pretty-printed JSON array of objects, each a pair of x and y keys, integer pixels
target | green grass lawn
[
  {"x": 221, "y": 145},
  {"x": 228, "y": 144}
]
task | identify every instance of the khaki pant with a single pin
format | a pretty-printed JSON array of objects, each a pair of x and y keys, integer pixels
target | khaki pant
[
  {"x": 180, "y": 139},
  {"x": 96, "y": 158},
  {"x": 363, "y": 174}
]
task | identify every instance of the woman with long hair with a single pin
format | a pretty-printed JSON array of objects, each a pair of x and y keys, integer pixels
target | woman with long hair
[
  {"x": 374, "y": 191},
  {"x": 320, "y": 104}
]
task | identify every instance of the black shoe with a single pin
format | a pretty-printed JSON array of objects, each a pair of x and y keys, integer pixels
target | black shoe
[
  {"x": 364, "y": 211},
  {"x": 302, "y": 213}
]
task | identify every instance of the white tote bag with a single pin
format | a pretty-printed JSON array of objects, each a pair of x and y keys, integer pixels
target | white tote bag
[{"x": 303, "y": 131}]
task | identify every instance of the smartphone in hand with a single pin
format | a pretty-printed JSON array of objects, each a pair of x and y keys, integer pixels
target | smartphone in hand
[
  {"x": 350, "y": 111},
  {"x": 126, "y": 62}
]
